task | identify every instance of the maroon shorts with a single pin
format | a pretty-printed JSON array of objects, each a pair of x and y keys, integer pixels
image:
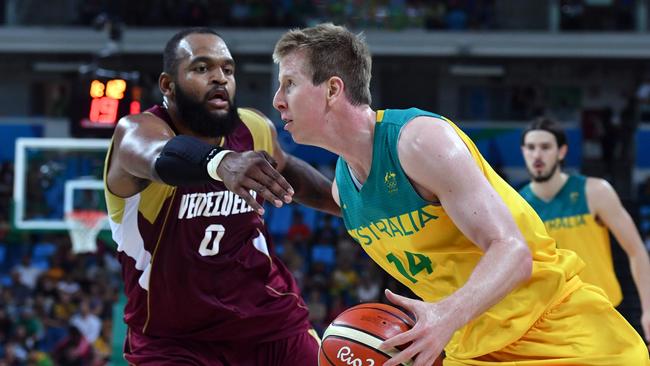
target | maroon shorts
[{"x": 142, "y": 350}]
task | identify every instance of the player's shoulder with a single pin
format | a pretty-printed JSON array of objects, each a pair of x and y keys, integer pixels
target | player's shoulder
[
  {"x": 434, "y": 133},
  {"x": 599, "y": 188},
  {"x": 413, "y": 121},
  {"x": 145, "y": 117},
  {"x": 597, "y": 183},
  {"x": 260, "y": 127},
  {"x": 144, "y": 121},
  {"x": 253, "y": 116}
]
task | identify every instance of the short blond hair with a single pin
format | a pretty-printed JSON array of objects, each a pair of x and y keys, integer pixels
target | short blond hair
[{"x": 332, "y": 50}]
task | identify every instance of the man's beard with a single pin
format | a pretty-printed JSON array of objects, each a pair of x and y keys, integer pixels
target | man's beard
[
  {"x": 197, "y": 118},
  {"x": 545, "y": 177}
]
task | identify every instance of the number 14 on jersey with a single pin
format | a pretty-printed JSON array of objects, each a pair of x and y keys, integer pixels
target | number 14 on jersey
[{"x": 415, "y": 263}]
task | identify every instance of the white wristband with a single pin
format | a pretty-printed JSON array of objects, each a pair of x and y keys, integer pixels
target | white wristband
[{"x": 214, "y": 163}]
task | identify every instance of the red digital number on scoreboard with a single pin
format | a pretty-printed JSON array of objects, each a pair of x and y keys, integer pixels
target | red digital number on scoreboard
[{"x": 106, "y": 101}]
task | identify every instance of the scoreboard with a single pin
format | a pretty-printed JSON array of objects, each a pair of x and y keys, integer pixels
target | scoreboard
[
  {"x": 105, "y": 102},
  {"x": 100, "y": 98}
]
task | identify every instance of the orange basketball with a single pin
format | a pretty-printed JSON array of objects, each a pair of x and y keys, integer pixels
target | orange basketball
[{"x": 354, "y": 337}]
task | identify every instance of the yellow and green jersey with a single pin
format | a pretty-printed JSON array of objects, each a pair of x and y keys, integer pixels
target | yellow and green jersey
[
  {"x": 569, "y": 222},
  {"x": 417, "y": 242}
]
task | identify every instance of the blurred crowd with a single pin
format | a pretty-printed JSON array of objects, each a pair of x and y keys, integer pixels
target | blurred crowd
[
  {"x": 57, "y": 307},
  {"x": 385, "y": 14},
  {"x": 573, "y": 15}
]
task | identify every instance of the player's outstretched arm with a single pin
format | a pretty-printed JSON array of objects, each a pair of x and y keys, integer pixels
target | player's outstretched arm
[
  {"x": 145, "y": 149},
  {"x": 605, "y": 204},
  {"x": 311, "y": 187},
  {"x": 137, "y": 141},
  {"x": 441, "y": 168}
]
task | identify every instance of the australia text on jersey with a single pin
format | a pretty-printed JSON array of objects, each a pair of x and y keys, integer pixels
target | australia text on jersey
[
  {"x": 208, "y": 204},
  {"x": 565, "y": 222},
  {"x": 401, "y": 225}
]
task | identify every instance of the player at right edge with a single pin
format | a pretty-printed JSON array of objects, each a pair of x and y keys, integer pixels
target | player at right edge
[{"x": 420, "y": 199}]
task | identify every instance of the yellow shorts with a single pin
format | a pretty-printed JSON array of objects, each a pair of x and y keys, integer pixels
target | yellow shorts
[{"x": 583, "y": 329}]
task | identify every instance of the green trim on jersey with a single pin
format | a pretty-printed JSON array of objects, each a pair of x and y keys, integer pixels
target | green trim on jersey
[
  {"x": 387, "y": 191},
  {"x": 570, "y": 201}
]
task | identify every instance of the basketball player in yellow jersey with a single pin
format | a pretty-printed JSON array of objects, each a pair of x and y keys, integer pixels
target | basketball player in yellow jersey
[
  {"x": 420, "y": 199},
  {"x": 578, "y": 212}
]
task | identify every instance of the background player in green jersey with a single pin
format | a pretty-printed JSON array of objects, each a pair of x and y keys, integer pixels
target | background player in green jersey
[{"x": 580, "y": 211}]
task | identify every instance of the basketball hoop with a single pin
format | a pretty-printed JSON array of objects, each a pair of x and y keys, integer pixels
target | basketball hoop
[{"x": 84, "y": 226}]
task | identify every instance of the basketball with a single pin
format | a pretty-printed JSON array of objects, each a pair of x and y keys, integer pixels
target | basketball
[{"x": 354, "y": 336}]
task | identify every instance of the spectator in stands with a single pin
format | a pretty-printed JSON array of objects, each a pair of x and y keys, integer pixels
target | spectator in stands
[
  {"x": 344, "y": 279},
  {"x": 39, "y": 358},
  {"x": 14, "y": 354},
  {"x": 102, "y": 345},
  {"x": 68, "y": 284},
  {"x": 337, "y": 306},
  {"x": 317, "y": 310},
  {"x": 5, "y": 325},
  {"x": 55, "y": 272},
  {"x": 32, "y": 326},
  {"x": 295, "y": 263},
  {"x": 88, "y": 323},
  {"x": 63, "y": 308},
  {"x": 47, "y": 287},
  {"x": 18, "y": 290},
  {"x": 23, "y": 342},
  {"x": 326, "y": 233},
  {"x": 73, "y": 350},
  {"x": 27, "y": 272},
  {"x": 298, "y": 231},
  {"x": 346, "y": 247},
  {"x": 317, "y": 278},
  {"x": 368, "y": 289}
]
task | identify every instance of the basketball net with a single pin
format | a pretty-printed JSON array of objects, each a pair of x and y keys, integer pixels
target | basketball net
[{"x": 84, "y": 226}]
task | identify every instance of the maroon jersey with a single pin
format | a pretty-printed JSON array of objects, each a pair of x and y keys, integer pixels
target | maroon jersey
[{"x": 198, "y": 262}]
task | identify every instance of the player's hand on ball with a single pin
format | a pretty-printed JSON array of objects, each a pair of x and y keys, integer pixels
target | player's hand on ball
[
  {"x": 254, "y": 170},
  {"x": 432, "y": 330}
]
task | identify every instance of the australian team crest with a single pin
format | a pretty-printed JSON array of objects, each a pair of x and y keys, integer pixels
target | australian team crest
[{"x": 391, "y": 182}]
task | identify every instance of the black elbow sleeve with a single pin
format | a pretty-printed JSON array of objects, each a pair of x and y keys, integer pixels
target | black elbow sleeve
[{"x": 183, "y": 161}]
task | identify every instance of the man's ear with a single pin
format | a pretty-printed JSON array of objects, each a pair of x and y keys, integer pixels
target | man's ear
[
  {"x": 563, "y": 151},
  {"x": 335, "y": 88},
  {"x": 166, "y": 84}
]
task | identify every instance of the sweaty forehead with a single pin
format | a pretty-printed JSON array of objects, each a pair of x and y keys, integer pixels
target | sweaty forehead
[
  {"x": 539, "y": 137},
  {"x": 294, "y": 64},
  {"x": 207, "y": 44}
]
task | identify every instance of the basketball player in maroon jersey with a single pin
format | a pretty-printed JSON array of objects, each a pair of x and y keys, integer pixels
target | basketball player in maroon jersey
[{"x": 185, "y": 183}]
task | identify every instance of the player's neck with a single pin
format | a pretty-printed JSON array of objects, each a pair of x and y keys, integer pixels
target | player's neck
[
  {"x": 353, "y": 138},
  {"x": 547, "y": 190}
]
